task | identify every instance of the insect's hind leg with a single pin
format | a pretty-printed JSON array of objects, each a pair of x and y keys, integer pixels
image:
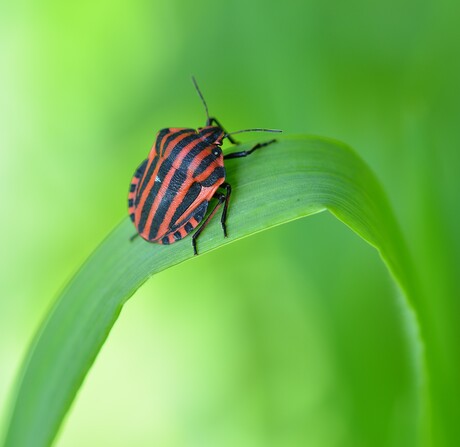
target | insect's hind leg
[
  {"x": 246, "y": 153},
  {"x": 223, "y": 218},
  {"x": 220, "y": 200}
]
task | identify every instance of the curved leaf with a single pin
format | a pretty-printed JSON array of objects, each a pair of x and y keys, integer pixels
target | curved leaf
[{"x": 293, "y": 178}]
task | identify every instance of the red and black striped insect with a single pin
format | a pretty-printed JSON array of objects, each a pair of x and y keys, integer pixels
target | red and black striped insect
[{"x": 171, "y": 190}]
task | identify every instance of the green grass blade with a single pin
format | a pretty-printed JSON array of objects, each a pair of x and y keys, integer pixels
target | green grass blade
[{"x": 293, "y": 178}]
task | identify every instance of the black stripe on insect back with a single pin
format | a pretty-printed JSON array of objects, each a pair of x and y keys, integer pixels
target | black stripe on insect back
[
  {"x": 161, "y": 134},
  {"x": 173, "y": 136},
  {"x": 205, "y": 163},
  {"x": 138, "y": 175},
  {"x": 177, "y": 180},
  {"x": 146, "y": 178},
  {"x": 189, "y": 198},
  {"x": 165, "y": 167},
  {"x": 201, "y": 211},
  {"x": 215, "y": 175},
  {"x": 140, "y": 170}
]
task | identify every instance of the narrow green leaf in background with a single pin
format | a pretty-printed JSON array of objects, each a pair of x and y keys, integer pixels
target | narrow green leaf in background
[{"x": 294, "y": 178}]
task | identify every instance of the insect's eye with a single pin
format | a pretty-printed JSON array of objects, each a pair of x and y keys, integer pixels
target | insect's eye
[{"x": 216, "y": 151}]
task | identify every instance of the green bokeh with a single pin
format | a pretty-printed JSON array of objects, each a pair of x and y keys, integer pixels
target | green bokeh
[{"x": 293, "y": 337}]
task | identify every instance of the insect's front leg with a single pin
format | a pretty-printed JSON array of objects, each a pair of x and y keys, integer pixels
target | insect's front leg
[
  {"x": 246, "y": 153},
  {"x": 212, "y": 121}
]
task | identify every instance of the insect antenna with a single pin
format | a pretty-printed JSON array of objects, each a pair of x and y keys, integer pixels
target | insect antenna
[
  {"x": 202, "y": 98},
  {"x": 252, "y": 130}
]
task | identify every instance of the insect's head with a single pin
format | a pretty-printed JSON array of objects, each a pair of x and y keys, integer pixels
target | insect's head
[{"x": 212, "y": 134}]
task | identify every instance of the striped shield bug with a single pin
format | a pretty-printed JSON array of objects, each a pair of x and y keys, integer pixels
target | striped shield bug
[{"x": 171, "y": 189}]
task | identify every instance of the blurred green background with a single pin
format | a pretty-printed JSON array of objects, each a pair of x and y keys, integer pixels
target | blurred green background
[{"x": 293, "y": 337}]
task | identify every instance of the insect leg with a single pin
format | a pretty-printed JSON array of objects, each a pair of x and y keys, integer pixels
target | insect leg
[
  {"x": 246, "y": 153},
  {"x": 221, "y": 200},
  {"x": 134, "y": 236},
  {"x": 215, "y": 121},
  {"x": 223, "y": 218}
]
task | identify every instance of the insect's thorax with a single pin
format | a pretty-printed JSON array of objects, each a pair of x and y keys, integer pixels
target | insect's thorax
[
  {"x": 193, "y": 154},
  {"x": 211, "y": 134}
]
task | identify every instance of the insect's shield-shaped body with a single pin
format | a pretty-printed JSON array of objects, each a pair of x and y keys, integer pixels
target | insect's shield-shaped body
[{"x": 171, "y": 190}]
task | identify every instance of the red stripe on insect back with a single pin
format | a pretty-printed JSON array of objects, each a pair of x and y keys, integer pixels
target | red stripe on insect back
[
  {"x": 144, "y": 177},
  {"x": 165, "y": 184},
  {"x": 208, "y": 171},
  {"x": 194, "y": 222},
  {"x": 166, "y": 240},
  {"x": 172, "y": 146},
  {"x": 134, "y": 185},
  {"x": 176, "y": 129},
  {"x": 161, "y": 146},
  {"x": 193, "y": 165},
  {"x": 151, "y": 181}
]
